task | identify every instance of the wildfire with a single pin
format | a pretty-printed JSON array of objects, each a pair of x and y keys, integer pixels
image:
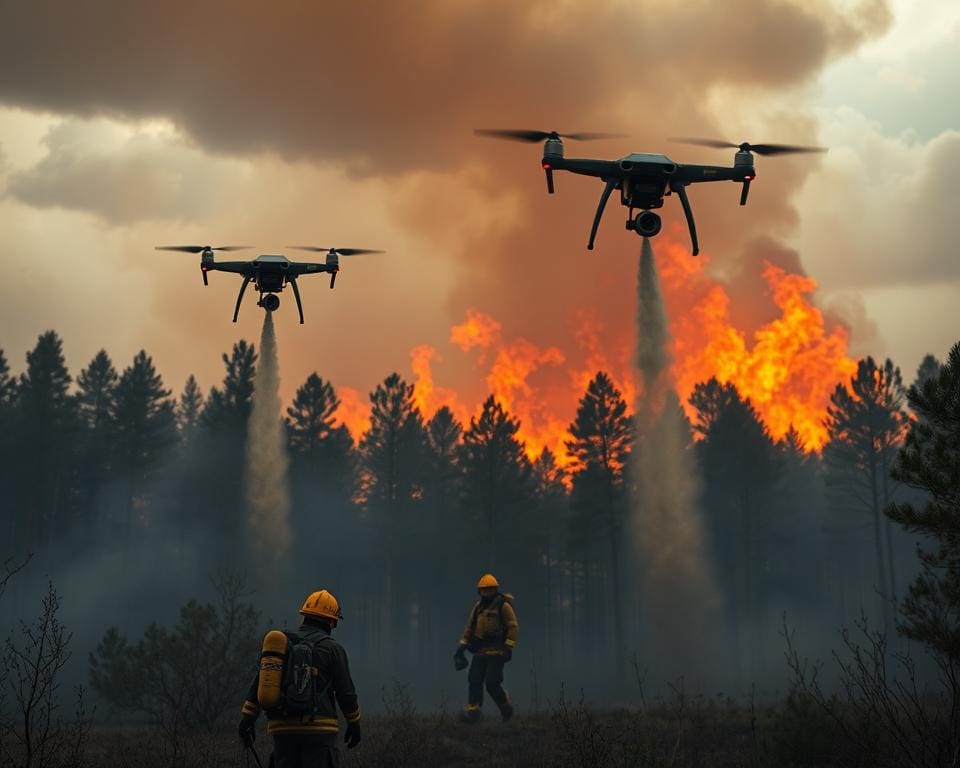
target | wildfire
[{"x": 787, "y": 367}]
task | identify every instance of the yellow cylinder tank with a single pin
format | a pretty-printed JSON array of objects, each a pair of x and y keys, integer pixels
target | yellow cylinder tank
[{"x": 272, "y": 655}]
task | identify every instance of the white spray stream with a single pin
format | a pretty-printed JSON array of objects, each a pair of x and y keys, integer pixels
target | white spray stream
[
  {"x": 679, "y": 603},
  {"x": 268, "y": 498}
]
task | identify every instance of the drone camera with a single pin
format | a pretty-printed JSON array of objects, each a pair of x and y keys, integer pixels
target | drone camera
[
  {"x": 271, "y": 302},
  {"x": 645, "y": 224}
]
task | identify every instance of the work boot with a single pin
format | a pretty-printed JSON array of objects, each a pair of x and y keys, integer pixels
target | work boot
[
  {"x": 506, "y": 711},
  {"x": 470, "y": 715}
]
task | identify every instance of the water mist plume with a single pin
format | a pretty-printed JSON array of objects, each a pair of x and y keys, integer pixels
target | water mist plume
[
  {"x": 268, "y": 498},
  {"x": 679, "y": 604}
]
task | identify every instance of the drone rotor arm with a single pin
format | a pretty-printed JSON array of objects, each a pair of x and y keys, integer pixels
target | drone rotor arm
[
  {"x": 603, "y": 169},
  {"x": 604, "y": 196},
  {"x": 681, "y": 190}
]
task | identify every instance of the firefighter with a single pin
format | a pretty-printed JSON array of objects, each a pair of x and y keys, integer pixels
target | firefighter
[
  {"x": 304, "y": 734},
  {"x": 491, "y": 636}
]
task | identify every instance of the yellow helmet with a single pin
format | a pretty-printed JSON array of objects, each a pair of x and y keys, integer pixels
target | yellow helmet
[
  {"x": 487, "y": 580},
  {"x": 321, "y": 604}
]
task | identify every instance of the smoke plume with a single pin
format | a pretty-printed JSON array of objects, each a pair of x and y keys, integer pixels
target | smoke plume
[
  {"x": 268, "y": 498},
  {"x": 679, "y": 603}
]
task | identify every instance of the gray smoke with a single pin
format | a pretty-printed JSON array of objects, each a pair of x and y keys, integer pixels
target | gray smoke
[
  {"x": 268, "y": 498},
  {"x": 679, "y": 605}
]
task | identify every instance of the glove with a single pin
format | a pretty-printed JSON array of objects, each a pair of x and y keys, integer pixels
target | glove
[
  {"x": 248, "y": 730},
  {"x": 460, "y": 659},
  {"x": 508, "y": 654},
  {"x": 352, "y": 737}
]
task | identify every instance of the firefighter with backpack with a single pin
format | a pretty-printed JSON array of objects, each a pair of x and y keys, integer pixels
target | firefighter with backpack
[
  {"x": 303, "y": 677},
  {"x": 490, "y": 635}
]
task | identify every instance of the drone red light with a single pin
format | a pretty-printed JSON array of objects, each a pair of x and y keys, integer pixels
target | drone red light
[{"x": 546, "y": 166}]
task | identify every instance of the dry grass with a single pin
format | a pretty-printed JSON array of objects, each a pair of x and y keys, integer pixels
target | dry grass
[{"x": 682, "y": 732}]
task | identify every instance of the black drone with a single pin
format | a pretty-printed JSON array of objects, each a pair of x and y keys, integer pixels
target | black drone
[
  {"x": 270, "y": 274},
  {"x": 642, "y": 178}
]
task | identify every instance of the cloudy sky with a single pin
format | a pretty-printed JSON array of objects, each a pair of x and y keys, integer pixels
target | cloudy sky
[{"x": 124, "y": 125}]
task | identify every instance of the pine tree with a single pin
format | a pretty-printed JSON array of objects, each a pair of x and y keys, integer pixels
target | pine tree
[
  {"x": 45, "y": 434},
  {"x": 322, "y": 452},
  {"x": 189, "y": 408},
  {"x": 866, "y": 424},
  {"x": 96, "y": 387},
  {"x": 213, "y": 487},
  {"x": 546, "y": 543},
  {"x": 497, "y": 477},
  {"x": 443, "y": 434},
  {"x": 391, "y": 450},
  {"x": 739, "y": 469},
  {"x": 8, "y": 395},
  {"x": 602, "y": 439},
  {"x": 929, "y": 461},
  {"x": 8, "y": 384},
  {"x": 928, "y": 369},
  {"x": 145, "y": 429},
  {"x": 391, "y": 489}
]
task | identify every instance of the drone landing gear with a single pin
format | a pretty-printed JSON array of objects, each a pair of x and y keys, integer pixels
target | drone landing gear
[
  {"x": 243, "y": 287},
  {"x": 645, "y": 224}
]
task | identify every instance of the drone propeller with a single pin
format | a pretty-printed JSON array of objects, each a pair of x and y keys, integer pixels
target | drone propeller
[
  {"x": 534, "y": 136},
  {"x": 760, "y": 149},
  {"x": 340, "y": 251},
  {"x": 200, "y": 248}
]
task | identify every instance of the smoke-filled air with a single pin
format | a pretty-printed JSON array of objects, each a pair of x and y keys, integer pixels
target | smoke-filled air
[{"x": 479, "y": 384}]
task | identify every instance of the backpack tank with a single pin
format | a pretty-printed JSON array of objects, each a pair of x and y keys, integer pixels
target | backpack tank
[{"x": 272, "y": 656}]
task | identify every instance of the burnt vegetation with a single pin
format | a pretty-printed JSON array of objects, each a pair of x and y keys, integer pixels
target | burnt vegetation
[{"x": 109, "y": 472}]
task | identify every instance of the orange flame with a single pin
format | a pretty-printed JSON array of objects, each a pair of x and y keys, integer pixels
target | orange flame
[
  {"x": 788, "y": 367},
  {"x": 354, "y": 411},
  {"x": 788, "y": 371},
  {"x": 478, "y": 330},
  {"x": 428, "y": 397}
]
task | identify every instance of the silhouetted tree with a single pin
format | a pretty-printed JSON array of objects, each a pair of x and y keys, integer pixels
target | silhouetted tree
[
  {"x": 45, "y": 433},
  {"x": 929, "y": 461},
  {"x": 96, "y": 390},
  {"x": 441, "y": 520},
  {"x": 795, "y": 553},
  {"x": 928, "y": 369},
  {"x": 866, "y": 424},
  {"x": 189, "y": 409},
  {"x": 391, "y": 486},
  {"x": 739, "y": 469},
  {"x": 145, "y": 428},
  {"x": 497, "y": 481},
  {"x": 600, "y": 447},
  {"x": 547, "y": 544},
  {"x": 214, "y": 485},
  {"x": 8, "y": 384},
  {"x": 8, "y": 393},
  {"x": 322, "y": 468}
]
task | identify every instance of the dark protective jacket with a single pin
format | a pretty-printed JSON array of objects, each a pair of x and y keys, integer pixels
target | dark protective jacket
[
  {"x": 492, "y": 628},
  {"x": 330, "y": 662}
]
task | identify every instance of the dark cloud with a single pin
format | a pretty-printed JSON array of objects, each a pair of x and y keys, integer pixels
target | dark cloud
[{"x": 389, "y": 86}]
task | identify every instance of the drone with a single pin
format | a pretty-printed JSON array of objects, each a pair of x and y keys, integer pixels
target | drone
[
  {"x": 644, "y": 179},
  {"x": 270, "y": 274}
]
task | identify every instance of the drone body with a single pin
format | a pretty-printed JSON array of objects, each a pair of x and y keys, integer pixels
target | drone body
[
  {"x": 644, "y": 179},
  {"x": 270, "y": 274}
]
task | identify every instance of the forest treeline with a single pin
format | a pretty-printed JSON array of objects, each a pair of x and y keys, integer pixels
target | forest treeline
[{"x": 400, "y": 521}]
